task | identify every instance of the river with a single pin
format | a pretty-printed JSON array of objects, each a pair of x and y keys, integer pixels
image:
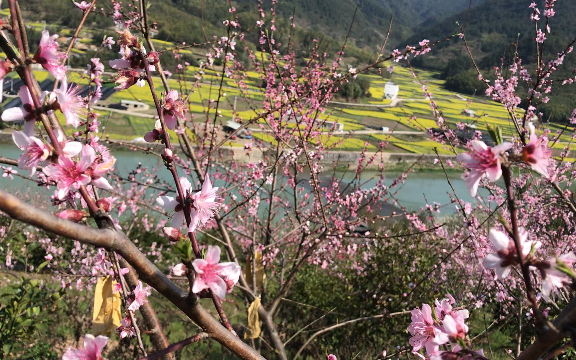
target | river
[{"x": 419, "y": 187}]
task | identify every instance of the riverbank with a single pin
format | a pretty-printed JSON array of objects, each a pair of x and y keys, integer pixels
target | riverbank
[{"x": 349, "y": 160}]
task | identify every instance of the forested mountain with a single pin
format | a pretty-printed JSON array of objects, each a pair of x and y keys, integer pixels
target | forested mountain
[
  {"x": 493, "y": 30},
  {"x": 493, "y": 26},
  {"x": 181, "y": 20}
]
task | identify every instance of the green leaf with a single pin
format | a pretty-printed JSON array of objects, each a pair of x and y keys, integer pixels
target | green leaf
[
  {"x": 495, "y": 134},
  {"x": 184, "y": 248},
  {"x": 41, "y": 266}
]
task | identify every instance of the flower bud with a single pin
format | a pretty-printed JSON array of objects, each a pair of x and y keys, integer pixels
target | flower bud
[
  {"x": 72, "y": 215},
  {"x": 179, "y": 270},
  {"x": 167, "y": 155},
  {"x": 105, "y": 204},
  {"x": 172, "y": 233}
]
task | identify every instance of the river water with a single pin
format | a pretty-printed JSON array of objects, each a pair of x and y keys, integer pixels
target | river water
[{"x": 419, "y": 188}]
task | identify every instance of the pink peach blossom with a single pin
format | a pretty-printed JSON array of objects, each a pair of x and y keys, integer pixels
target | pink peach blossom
[
  {"x": 482, "y": 160},
  {"x": 141, "y": 294},
  {"x": 35, "y": 151},
  {"x": 92, "y": 349},
  {"x": 175, "y": 204},
  {"x": 173, "y": 109},
  {"x": 24, "y": 112},
  {"x": 69, "y": 102},
  {"x": 506, "y": 255},
  {"x": 84, "y": 6},
  {"x": 70, "y": 174},
  {"x": 424, "y": 333},
  {"x": 536, "y": 154},
  {"x": 552, "y": 277},
  {"x": 204, "y": 205},
  {"x": 213, "y": 275},
  {"x": 49, "y": 57}
]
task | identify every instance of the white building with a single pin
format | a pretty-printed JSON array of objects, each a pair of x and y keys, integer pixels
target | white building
[
  {"x": 331, "y": 125},
  {"x": 133, "y": 105},
  {"x": 391, "y": 90}
]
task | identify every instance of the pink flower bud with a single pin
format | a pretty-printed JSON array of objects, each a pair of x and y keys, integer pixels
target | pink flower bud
[
  {"x": 179, "y": 270},
  {"x": 167, "y": 155},
  {"x": 72, "y": 215},
  {"x": 105, "y": 204},
  {"x": 172, "y": 233}
]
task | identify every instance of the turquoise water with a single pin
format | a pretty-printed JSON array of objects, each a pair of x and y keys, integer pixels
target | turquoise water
[{"x": 418, "y": 189}]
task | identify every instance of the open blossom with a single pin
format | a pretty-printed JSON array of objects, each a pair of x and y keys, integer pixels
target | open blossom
[
  {"x": 424, "y": 332},
  {"x": 69, "y": 102},
  {"x": 9, "y": 172},
  {"x": 92, "y": 349},
  {"x": 99, "y": 166},
  {"x": 506, "y": 255},
  {"x": 126, "y": 41},
  {"x": 552, "y": 277},
  {"x": 108, "y": 42},
  {"x": 83, "y": 5},
  {"x": 202, "y": 208},
  {"x": 34, "y": 150},
  {"x": 213, "y": 275},
  {"x": 204, "y": 205},
  {"x": 141, "y": 294},
  {"x": 49, "y": 57},
  {"x": 444, "y": 308},
  {"x": 70, "y": 174},
  {"x": 24, "y": 112},
  {"x": 483, "y": 160},
  {"x": 175, "y": 204},
  {"x": 173, "y": 108},
  {"x": 536, "y": 154}
]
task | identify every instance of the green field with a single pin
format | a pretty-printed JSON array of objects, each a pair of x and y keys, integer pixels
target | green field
[{"x": 412, "y": 112}]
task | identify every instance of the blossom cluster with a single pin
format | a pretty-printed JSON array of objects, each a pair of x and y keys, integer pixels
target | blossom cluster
[{"x": 439, "y": 326}]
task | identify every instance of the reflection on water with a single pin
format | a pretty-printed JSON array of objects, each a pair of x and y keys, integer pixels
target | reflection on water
[{"x": 418, "y": 189}]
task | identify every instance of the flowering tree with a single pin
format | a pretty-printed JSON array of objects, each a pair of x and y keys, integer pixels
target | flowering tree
[{"x": 280, "y": 213}]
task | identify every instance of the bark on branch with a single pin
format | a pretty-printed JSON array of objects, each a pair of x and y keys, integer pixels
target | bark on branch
[{"x": 116, "y": 241}]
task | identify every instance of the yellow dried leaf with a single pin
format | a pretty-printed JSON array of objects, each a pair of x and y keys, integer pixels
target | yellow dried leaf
[
  {"x": 253, "y": 331},
  {"x": 107, "y": 314},
  {"x": 260, "y": 275}
]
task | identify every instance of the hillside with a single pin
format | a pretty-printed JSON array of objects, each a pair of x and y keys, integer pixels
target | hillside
[
  {"x": 181, "y": 20},
  {"x": 492, "y": 32}
]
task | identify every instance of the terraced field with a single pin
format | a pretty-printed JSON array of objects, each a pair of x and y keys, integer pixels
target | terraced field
[{"x": 411, "y": 113}]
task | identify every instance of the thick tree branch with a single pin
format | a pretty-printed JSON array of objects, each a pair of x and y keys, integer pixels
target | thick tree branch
[
  {"x": 552, "y": 335},
  {"x": 116, "y": 241}
]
